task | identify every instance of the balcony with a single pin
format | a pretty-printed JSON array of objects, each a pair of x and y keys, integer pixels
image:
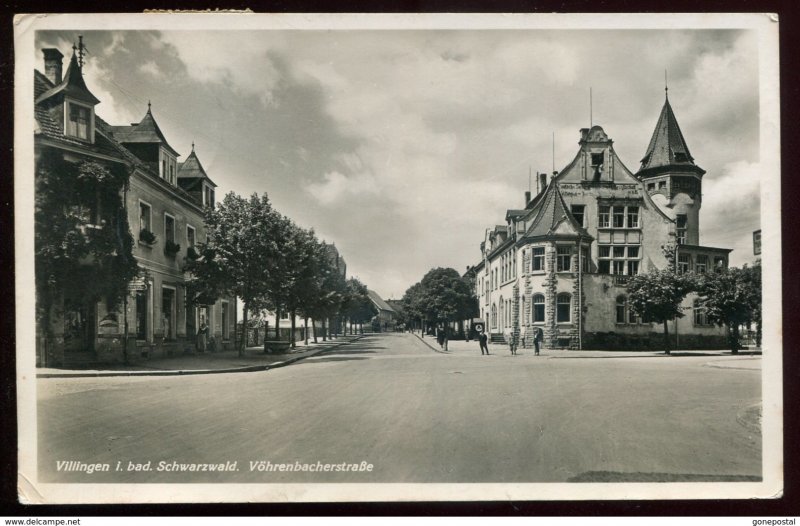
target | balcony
[{"x": 620, "y": 280}]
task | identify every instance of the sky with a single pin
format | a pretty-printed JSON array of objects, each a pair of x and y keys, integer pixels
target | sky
[{"x": 403, "y": 146}]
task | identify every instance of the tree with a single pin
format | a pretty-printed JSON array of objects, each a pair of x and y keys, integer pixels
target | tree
[
  {"x": 442, "y": 296},
  {"x": 358, "y": 307},
  {"x": 732, "y": 297},
  {"x": 83, "y": 247},
  {"x": 656, "y": 296},
  {"x": 242, "y": 256}
]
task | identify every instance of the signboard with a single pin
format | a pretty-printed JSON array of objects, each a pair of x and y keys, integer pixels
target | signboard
[
  {"x": 757, "y": 243},
  {"x": 478, "y": 327},
  {"x": 137, "y": 284}
]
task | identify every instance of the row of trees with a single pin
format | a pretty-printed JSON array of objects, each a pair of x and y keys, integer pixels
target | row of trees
[
  {"x": 731, "y": 297},
  {"x": 440, "y": 298},
  {"x": 261, "y": 256}
]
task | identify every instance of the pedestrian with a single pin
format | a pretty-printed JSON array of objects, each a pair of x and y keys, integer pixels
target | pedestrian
[
  {"x": 440, "y": 336},
  {"x": 483, "y": 339},
  {"x": 538, "y": 336},
  {"x": 202, "y": 334},
  {"x": 522, "y": 332},
  {"x": 512, "y": 344}
]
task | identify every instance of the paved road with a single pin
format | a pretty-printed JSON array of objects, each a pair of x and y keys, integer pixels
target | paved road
[{"x": 416, "y": 416}]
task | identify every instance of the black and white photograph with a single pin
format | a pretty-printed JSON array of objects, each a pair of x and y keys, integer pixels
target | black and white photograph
[{"x": 397, "y": 257}]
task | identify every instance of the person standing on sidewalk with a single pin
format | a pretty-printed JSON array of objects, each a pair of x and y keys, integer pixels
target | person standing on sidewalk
[
  {"x": 538, "y": 336},
  {"x": 482, "y": 341},
  {"x": 202, "y": 334}
]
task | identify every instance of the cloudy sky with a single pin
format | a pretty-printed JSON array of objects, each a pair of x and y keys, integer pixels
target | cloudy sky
[{"x": 402, "y": 147}]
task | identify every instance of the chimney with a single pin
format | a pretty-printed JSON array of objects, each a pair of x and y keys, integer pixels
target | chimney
[
  {"x": 527, "y": 197},
  {"x": 52, "y": 65},
  {"x": 542, "y": 182}
]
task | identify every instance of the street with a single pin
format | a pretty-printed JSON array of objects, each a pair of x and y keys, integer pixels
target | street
[{"x": 417, "y": 416}]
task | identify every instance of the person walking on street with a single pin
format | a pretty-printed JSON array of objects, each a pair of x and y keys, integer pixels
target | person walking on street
[
  {"x": 537, "y": 340},
  {"x": 483, "y": 340},
  {"x": 202, "y": 335},
  {"x": 440, "y": 336}
]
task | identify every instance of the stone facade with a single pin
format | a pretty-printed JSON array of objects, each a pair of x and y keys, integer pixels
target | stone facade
[{"x": 583, "y": 234}]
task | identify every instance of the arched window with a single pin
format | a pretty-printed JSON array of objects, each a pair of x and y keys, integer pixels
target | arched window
[
  {"x": 494, "y": 316},
  {"x": 502, "y": 312},
  {"x": 538, "y": 308},
  {"x": 563, "y": 307},
  {"x": 622, "y": 307}
]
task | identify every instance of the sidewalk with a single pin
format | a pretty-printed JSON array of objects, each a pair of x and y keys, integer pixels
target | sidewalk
[
  {"x": 461, "y": 347},
  {"x": 254, "y": 359}
]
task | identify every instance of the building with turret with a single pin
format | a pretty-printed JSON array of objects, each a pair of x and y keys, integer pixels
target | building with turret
[
  {"x": 562, "y": 262},
  {"x": 157, "y": 217}
]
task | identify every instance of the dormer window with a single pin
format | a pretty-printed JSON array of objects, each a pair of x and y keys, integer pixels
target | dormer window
[
  {"x": 208, "y": 196},
  {"x": 79, "y": 121}
]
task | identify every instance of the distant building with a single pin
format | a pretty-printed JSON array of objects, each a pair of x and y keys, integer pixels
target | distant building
[
  {"x": 385, "y": 319},
  {"x": 562, "y": 262}
]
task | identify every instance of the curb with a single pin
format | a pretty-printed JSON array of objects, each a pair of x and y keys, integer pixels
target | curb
[
  {"x": 440, "y": 351},
  {"x": 188, "y": 372}
]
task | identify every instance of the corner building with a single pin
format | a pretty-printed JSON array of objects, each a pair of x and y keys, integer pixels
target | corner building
[
  {"x": 562, "y": 262},
  {"x": 164, "y": 201}
]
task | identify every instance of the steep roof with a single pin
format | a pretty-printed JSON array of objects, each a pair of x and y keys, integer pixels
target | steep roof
[
  {"x": 553, "y": 218},
  {"x": 667, "y": 148},
  {"x": 192, "y": 168},
  {"x": 72, "y": 86},
  {"x": 146, "y": 131},
  {"x": 48, "y": 127},
  {"x": 378, "y": 301}
]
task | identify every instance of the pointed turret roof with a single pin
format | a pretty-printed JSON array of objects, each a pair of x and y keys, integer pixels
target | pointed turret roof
[
  {"x": 145, "y": 131},
  {"x": 192, "y": 168},
  {"x": 72, "y": 86},
  {"x": 667, "y": 148},
  {"x": 553, "y": 218}
]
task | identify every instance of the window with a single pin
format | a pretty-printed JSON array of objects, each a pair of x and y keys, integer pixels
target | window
[
  {"x": 622, "y": 307},
  {"x": 633, "y": 217},
  {"x": 633, "y": 252},
  {"x": 651, "y": 186},
  {"x": 619, "y": 216},
  {"x": 169, "y": 228},
  {"x": 577, "y": 213},
  {"x": 619, "y": 252},
  {"x": 604, "y": 267},
  {"x": 699, "y": 309},
  {"x": 683, "y": 263},
  {"x": 603, "y": 216},
  {"x": 662, "y": 185},
  {"x": 701, "y": 264},
  {"x": 584, "y": 259},
  {"x": 141, "y": 314},
  {"x": 225, "y": 327},
  {"x": 604, "y": 252},
  {"x": 208, "y": 196},
  {"x": 538, "y": 308},
  {"x": 563, "y": 258},
  {"x": 563, "y": 307},
  {"x": 494, "y": 316},
  {"x": 633, "y": 268},
  {"x": 502, "y": 314},
  {"x": 79, "y": 121},
  {"x": 538, "y": 259},
  {"x": 632, "y": 317},
  {"x": 680, "y": 221},
  {"x": 618, "y": 267},
  {"x": 190, "y": 236},
  {"x": 168, "y": 313},
  {"x": 597, "y": 159},
  {"x": 719, "y": 264},
  {"x": 145, "y": 217}
]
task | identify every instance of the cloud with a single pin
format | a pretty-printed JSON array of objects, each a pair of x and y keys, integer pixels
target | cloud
[
  {"x": 151, "y": 68},
  {"x": 731, "y": 209},
  {"x": 338, "y": 187}
]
